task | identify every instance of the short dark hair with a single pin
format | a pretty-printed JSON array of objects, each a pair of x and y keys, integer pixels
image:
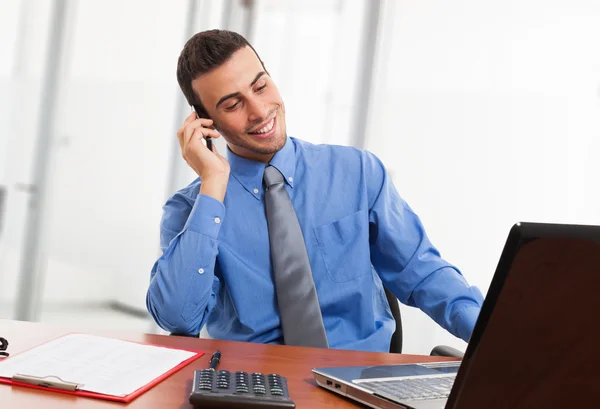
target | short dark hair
[{"x": 202, "y": 53}]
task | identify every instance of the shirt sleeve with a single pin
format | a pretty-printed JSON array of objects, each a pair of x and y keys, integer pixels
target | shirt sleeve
[
  {"x": 183, "y": 286},
  {"x": 409, "y": 265}
]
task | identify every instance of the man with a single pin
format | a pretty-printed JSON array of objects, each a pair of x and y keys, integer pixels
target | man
[{"x": 228, "y": 264}]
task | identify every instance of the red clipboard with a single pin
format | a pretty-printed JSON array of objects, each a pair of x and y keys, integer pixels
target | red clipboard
[{"x": 94, "y": 395}]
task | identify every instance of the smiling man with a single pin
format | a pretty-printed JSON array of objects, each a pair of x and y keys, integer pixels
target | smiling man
[{"x": 284, "y": 241}]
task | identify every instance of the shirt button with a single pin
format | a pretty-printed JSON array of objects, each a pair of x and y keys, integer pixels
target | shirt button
[
  {"x": 255, "y": 191},
  {"x": 291, "y": 179},
  {"x": 217, "y": 220},
  {"x": 200, "y": 271}
]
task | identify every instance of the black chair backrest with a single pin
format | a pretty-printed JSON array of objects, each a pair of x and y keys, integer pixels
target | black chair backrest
[{"x": 396, "y": 342}]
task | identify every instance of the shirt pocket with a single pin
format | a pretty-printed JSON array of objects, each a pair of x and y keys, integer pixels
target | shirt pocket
[{"x": 344, "y": 245}]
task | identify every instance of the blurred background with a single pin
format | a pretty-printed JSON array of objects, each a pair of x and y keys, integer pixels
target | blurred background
[{"x": 485, "y": 113}]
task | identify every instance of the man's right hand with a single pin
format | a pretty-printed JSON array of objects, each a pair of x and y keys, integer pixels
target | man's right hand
[{"x": 212, "y": 168}]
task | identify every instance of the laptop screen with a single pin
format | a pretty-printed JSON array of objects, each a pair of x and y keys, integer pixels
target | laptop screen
[{"x": 541, "y": 339}]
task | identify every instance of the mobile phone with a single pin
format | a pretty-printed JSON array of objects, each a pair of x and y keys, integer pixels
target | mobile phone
[{"x": 200, "y": 113}]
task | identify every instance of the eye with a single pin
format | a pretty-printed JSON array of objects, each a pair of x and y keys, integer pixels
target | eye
[
  {"x": 261, "y": 87},
  {"x": 232, "y": 107}
]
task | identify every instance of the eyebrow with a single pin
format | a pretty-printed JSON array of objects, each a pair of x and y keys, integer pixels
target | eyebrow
[{"x": 237, "y": 94}]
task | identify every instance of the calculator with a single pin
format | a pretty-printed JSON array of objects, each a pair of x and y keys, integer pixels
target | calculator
[{"x": 239, "y": 390}]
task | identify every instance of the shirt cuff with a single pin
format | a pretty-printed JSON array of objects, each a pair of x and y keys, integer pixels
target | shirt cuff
[
  {"x": 465, "y": 321},
  {"x": 206, "y": 216}
]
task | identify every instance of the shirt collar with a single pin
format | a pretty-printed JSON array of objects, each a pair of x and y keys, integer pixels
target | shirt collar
[{"x": 250, "y": 172}]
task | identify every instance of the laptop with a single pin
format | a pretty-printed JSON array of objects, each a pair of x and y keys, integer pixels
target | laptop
[{"x": 535, "y": 345}]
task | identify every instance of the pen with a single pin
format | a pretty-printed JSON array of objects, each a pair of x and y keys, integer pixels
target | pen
[
  {"x": 215, "y": 359},
  {"x": 46, "y": 381}
]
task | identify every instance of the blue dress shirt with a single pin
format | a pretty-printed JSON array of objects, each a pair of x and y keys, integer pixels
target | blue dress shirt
[{"x": 216, "y": 264}]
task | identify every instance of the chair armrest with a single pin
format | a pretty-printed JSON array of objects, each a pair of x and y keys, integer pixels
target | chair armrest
[
  {"x": 445, "y": 350},
  {"x": 174, "y": 334}
]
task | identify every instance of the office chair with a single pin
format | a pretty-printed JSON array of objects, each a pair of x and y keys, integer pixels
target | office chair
[{"x": 396, "y": 342}]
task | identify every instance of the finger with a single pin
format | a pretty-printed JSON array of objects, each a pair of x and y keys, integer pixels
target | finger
[
  {"x": 201, "y": 133},
  {"x": 186, "y": 134},
  {"x": 211, "y": 133},
  {"x": 191, "y": 128},
  {"x": 181, "y": 131},
  {"x": 190, "y": 118},
  {"x": 205, "y": 122},
  {"x": 180, "y": 134}
]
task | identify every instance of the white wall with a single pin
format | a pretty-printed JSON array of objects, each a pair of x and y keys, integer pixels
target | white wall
[
  {"x": 488, "y": 113},
  {"x": 116, "y": 123},
  {"x": 115, "y": 112},
  {"x": 21, "y": 68},
  {"x": 311, "y": 48}
]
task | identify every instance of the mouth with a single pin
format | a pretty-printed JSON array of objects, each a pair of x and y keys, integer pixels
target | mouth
[{"x": 265, "y": 130}]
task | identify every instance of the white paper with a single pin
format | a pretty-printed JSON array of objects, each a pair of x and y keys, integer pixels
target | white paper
[{"x": 102, "y": 365}]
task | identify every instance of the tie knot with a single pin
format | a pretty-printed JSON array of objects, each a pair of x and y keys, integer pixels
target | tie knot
[{"x": 272, "y": 176}]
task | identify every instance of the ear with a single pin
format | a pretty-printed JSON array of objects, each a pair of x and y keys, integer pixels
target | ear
[{"x": 215, "y": 127}]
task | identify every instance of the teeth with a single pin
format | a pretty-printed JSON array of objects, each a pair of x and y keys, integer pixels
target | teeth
[{"x": 267, "y": 127}]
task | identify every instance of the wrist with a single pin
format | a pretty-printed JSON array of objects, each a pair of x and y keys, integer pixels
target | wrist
[{"x": 214, "y": 187}]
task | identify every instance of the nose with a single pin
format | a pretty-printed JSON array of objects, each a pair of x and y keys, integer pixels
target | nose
[{"x": 257, "y": 110}]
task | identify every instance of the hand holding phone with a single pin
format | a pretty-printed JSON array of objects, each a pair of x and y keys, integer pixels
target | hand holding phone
[
  {"x": 212, "y": 168},
  {"x": 201, "y": 114}
]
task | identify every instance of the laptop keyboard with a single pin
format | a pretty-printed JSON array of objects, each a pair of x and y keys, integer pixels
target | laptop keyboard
[{"x": 413, "y": 388}]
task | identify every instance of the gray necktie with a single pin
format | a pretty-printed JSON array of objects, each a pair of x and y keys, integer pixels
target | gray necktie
[{"x": 301, "y": 318}]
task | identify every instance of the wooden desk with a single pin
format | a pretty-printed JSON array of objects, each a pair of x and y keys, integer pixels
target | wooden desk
[{"x": 293, "y": 362}]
